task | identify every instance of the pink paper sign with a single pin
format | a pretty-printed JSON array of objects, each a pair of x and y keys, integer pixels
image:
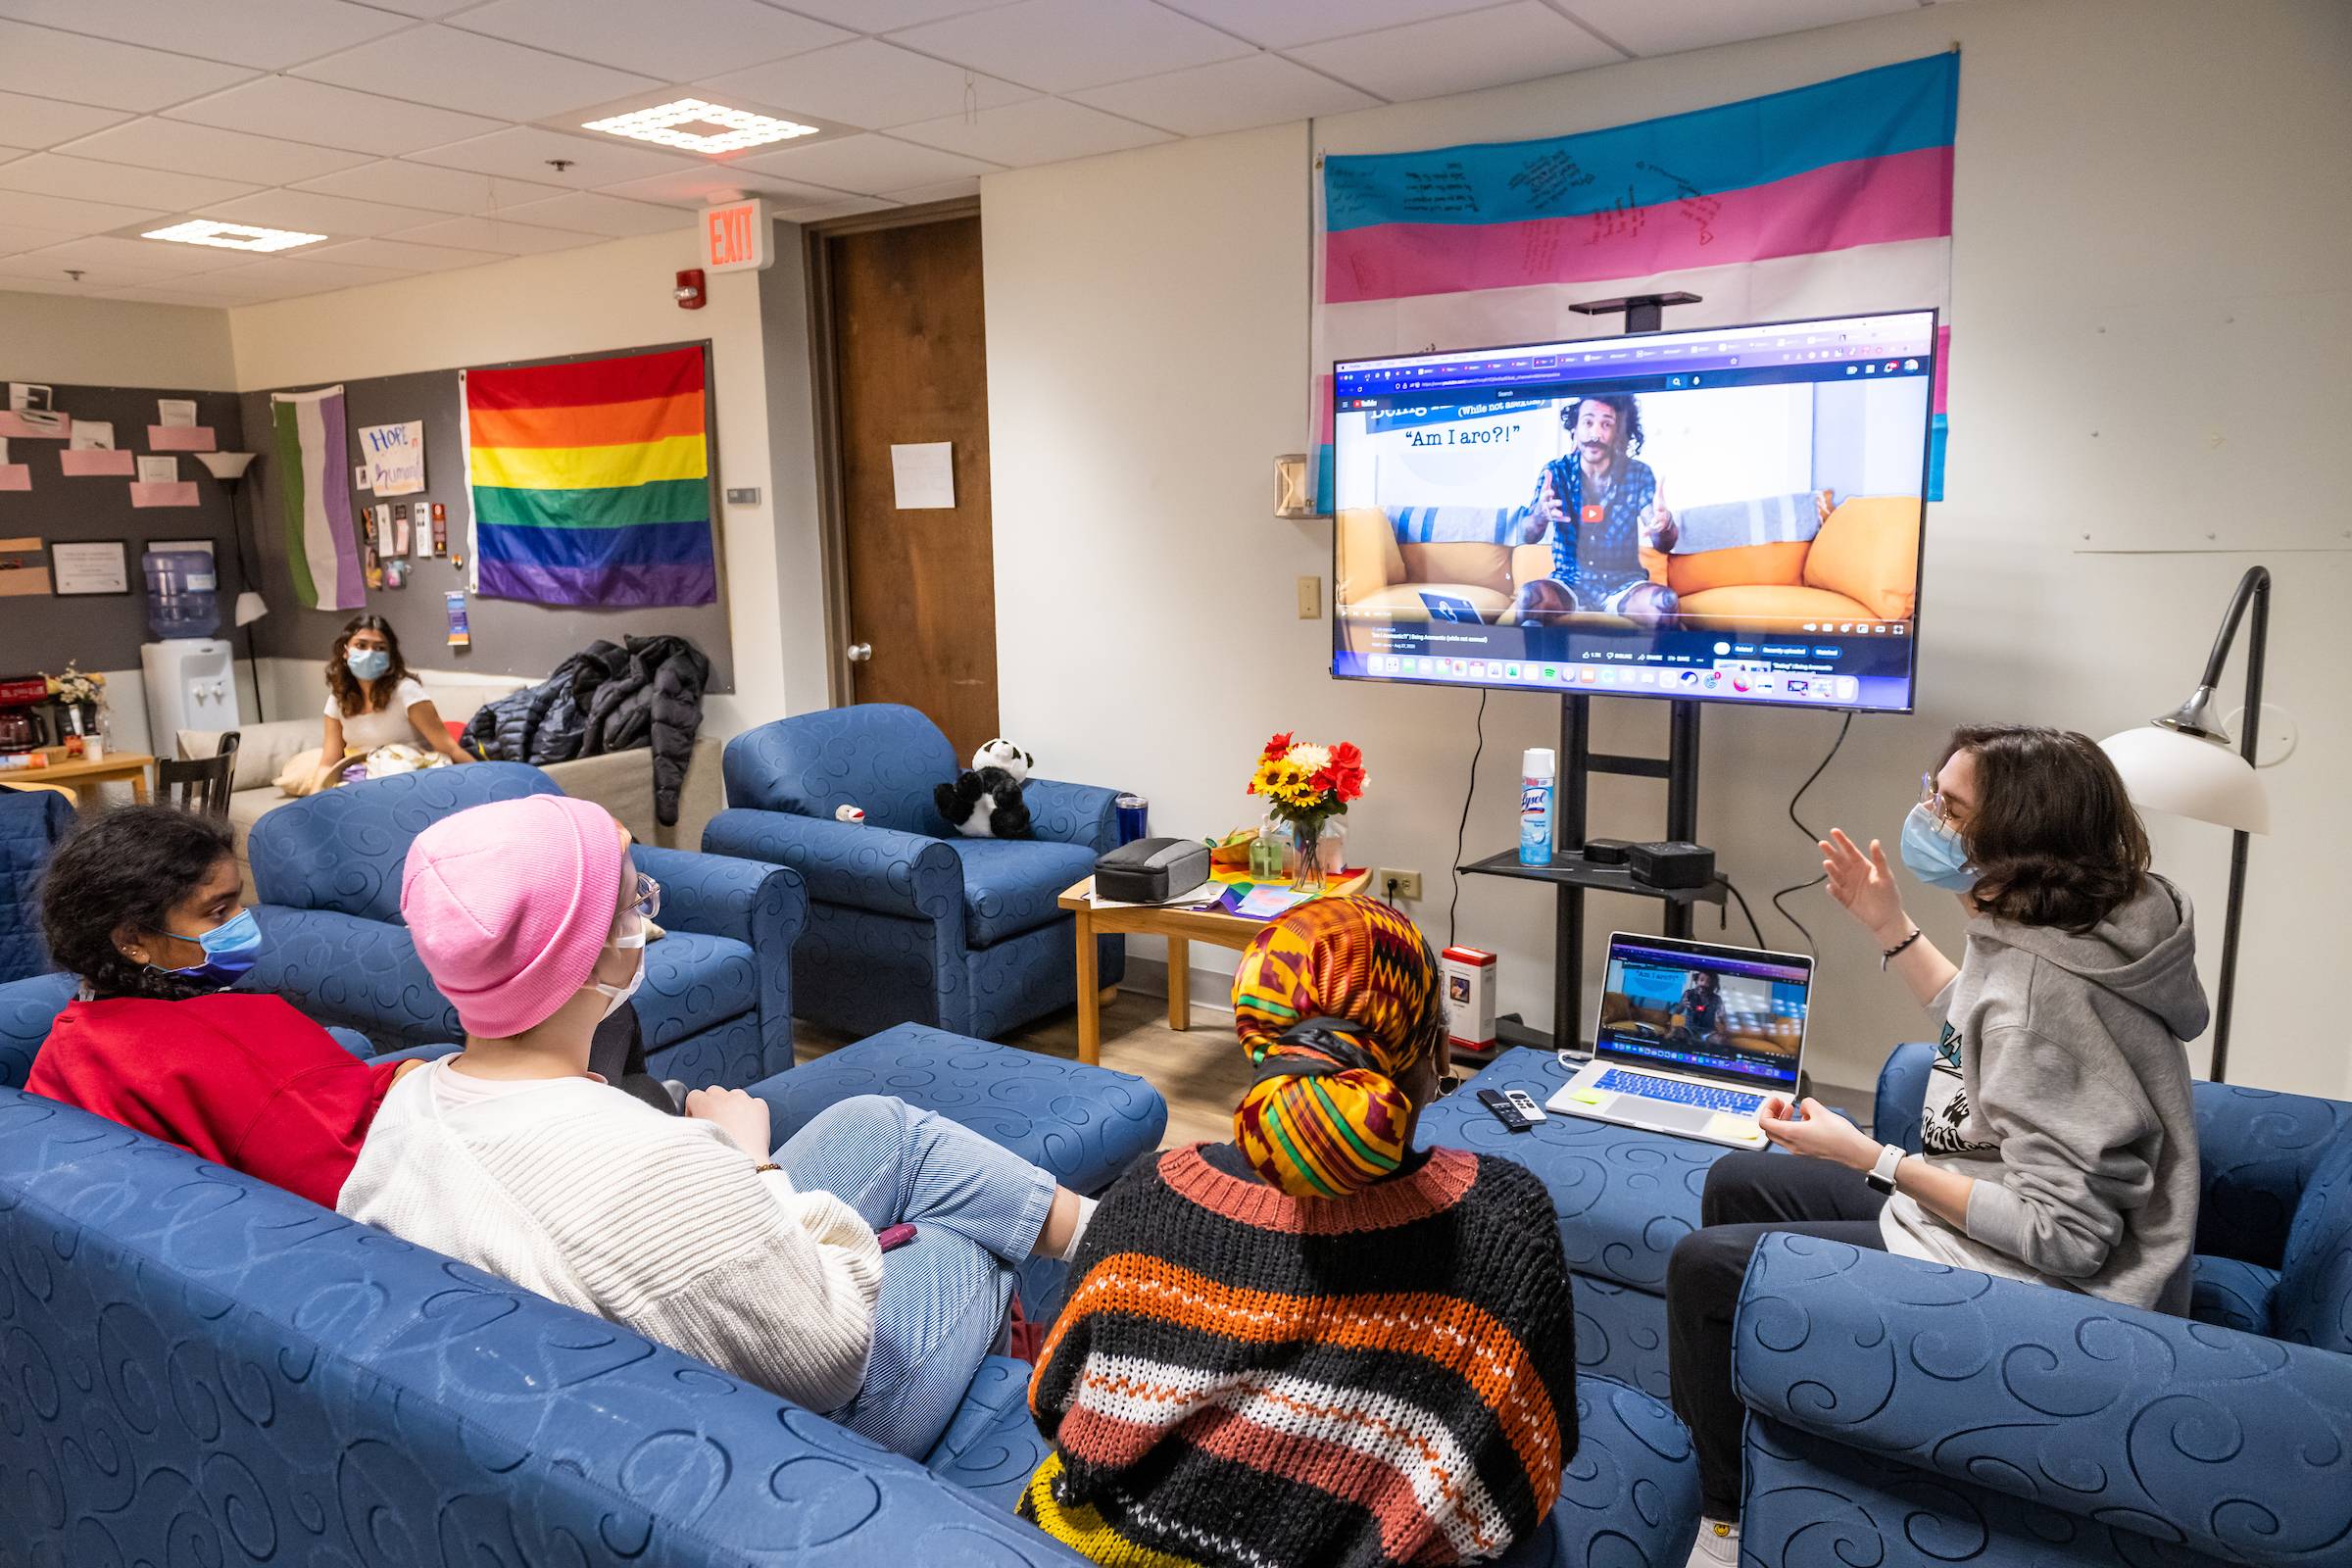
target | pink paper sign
[
  {"x": 86, "y": 463},
  {"x": 16, "y": 475},
  {"x": 13, "y": 424},
  {"x": 181, "y": 494},
  {"x": 180, "y": 438}
]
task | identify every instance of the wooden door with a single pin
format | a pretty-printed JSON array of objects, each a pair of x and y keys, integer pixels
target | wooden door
[{"x": 911, "y": 367}]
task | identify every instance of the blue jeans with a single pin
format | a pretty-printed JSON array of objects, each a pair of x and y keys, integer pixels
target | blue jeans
[{"x": 946, "y": 1296}]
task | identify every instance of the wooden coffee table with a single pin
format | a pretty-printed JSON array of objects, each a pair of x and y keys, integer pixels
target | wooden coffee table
[
  {"x": 81, "y": 776},
  {"x": 1181, "y": 927}
]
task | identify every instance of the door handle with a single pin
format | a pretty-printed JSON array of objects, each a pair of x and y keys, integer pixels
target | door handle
[{"x": 860, "y": 653}]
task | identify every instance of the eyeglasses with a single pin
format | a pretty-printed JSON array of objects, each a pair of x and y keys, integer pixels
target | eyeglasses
[
  {"x": 1931, "y": 795},
  {"x": 648, "y": 901}
]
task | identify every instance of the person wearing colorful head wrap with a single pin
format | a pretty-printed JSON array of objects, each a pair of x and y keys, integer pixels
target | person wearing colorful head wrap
[{"x": 1315, "y": 1346}]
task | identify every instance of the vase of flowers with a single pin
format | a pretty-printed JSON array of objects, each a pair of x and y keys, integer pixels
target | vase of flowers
[
  {"x": 82, "y": 696},
  {"x": 1306, "y": 786}
]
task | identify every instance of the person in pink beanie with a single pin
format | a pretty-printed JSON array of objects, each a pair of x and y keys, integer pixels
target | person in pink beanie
[{"x": 513, "y": 1155}]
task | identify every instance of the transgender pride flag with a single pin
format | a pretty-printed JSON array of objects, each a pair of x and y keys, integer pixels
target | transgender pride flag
[
  {"x": 1829, "y": 199},
  {"x": 591, "y": 481}
]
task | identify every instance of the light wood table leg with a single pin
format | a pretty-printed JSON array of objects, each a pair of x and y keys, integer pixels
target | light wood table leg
[
  {"x": 1180, "y": 990},
  {"x": 138, "y": 786},
  {"x": 1090, "y": 986}
]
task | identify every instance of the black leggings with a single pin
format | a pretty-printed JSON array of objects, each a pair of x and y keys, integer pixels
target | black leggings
[
  {"x": 617, "y": 1056},
  {"x": 1747, "y": 1195}
]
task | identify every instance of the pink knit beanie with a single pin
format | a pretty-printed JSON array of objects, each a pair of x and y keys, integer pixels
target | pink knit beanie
[{"x": 509, "y": 903}]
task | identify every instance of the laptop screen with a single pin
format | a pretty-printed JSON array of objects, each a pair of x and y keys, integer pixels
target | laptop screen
[{"x": 1720, "y": 1012}]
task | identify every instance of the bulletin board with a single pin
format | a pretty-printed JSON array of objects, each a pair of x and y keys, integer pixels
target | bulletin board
[
  {"x": 509, "y": 637},
  {"x": 41, "y": 631}
]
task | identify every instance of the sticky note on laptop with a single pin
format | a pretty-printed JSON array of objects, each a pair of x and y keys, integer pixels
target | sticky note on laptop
[{"x": 1733, "y": 1128}]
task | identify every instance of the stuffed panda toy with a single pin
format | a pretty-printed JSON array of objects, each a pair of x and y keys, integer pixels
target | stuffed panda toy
[{"x": 985, "y": 801}]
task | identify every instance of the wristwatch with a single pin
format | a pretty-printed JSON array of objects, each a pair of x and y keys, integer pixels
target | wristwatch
[{"x": 1882, "y": 1174}]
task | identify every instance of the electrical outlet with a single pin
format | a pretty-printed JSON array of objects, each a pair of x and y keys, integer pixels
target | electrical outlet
[
  {"x": 1310, "y": 598},
  {"x": 1392, "y": 883}
]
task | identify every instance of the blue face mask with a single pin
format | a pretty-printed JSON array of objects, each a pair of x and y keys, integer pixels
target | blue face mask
[
  {"x": 230, "y": 949},
  {"x": 367, "y": 663},
  {"x": 1934, "y": 854}
]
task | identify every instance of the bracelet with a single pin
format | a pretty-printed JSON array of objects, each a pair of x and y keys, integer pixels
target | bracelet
[
  {"x": 1890, "y": 954},
  {"x": 765, "y": 1165}
]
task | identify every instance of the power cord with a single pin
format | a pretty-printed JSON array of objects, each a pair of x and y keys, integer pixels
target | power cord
[
  {"x": 1811, "y": 837},
  {"x": 1724, "y": 911},
  {"x": 1469, "y": 790}
]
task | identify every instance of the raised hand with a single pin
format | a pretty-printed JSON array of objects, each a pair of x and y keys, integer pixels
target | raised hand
[{"x": 1864, "y": 884}]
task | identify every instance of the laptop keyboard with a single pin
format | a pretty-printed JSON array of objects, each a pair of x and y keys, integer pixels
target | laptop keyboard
[{"x": 1731, "y": 1101}]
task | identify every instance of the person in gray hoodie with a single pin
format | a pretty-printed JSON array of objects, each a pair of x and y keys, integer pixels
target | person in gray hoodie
[{"x": 2059, "y": 1141}]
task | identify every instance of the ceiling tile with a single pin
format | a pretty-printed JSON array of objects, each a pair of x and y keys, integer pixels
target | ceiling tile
[
  {"x": 678, "y": 41},
  {"x": 86, "y": 180},
  {"x": 154, "y": 294},
  {"x": 314, "y": 214},
  {"x": 1059, "y": 45},
  {"x": 401, "y": 253},
  {"x": 717, "y": 182},
  {"x": 490, "y": 234},
  {"x": 270, "y": 34},
  {"x": 467, "y": 72},
  {"x": 866, "y": 83},
  {"x": 100, "y": 71},
  {"x": 868, "y": 164},
  {"x": 1280, "y": 23},
  {"x": 839, "y": 206},
  {"x": 522, "y": 152},
  {"x": 1042, "y": 130},
  {"x": 242, "y": 284},
  {"x": 403, "y": 183},
  {"x": 15, "y": 237},
  {"x": 45, "y": 121},
  {"x": 303, "y": 276},
  {"x": 63, "y": 213},
  {"x": 158, "y": 257},
  {"x": 1649, "y": 28},
  {"x": 886, "y": 15},
  {"x": 1516, "y": 42},
  {"x": 209, "y": 150},
  {"x": 946, "y": 190},
  {"x": 1229, "y": 95},
  {"x": 47, "y": 266},
  {"x": 595, "y": 213},
  {"x": 12, "y": 284},
  {"x": 334, "y": 117},
  {"x": 426, "y": 9}
]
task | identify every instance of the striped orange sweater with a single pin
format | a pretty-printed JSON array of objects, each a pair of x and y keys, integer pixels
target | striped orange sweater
[{"x": 1247, "y": 1380}]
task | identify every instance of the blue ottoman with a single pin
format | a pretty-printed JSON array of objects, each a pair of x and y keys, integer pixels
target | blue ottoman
[{"x": 1623, "y": 1198}]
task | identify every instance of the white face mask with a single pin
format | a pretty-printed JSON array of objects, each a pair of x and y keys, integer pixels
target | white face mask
[{"x": 634, "y": 937}]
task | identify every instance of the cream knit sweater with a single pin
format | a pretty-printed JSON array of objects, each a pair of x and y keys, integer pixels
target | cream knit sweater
[{"x": 575, "y": 1189}]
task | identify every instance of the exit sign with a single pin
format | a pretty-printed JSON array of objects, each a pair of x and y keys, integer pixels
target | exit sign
[{"x": 735, "y": 237}]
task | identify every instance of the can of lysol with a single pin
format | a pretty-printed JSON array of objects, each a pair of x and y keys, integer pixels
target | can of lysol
[{"x": 1135, "y": 816}]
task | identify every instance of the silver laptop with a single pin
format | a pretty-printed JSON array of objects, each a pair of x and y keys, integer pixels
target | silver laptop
[{"x": 1692, "y": 1038}]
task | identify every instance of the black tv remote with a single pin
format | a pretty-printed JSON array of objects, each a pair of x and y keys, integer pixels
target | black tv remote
[{"x": 1497, "y": 1102}]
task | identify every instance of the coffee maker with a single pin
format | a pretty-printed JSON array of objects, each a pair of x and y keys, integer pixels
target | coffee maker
[{"x": 20, "y": 726}]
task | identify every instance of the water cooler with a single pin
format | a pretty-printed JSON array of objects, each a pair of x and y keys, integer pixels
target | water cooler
[{"x": 191, "y": 684}]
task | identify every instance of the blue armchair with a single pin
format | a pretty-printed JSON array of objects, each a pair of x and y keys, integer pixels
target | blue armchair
[
  {"x": 716, "y": 1003},
  {"x": 1905, "y": 1414},
  {"x": 908, "y": 923},
  {"x": 32, "y": 823}
]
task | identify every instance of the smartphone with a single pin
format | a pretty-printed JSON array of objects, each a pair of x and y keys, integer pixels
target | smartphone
[{"x": 894, "y": 1237}]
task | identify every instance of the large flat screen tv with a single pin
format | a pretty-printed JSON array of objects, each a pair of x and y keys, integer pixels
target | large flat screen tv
[{"x": 1729, "y": 515}]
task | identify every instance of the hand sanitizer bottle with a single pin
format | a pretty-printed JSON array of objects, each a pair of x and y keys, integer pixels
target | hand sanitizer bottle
[{"x": 1536, "y": 774}]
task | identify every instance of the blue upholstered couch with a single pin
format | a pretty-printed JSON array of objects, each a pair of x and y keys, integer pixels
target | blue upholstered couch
[
  {"x": 32, "y": 823},
  {"x": 907, "y": 919},
  {"x": 716, "y": 1003}
]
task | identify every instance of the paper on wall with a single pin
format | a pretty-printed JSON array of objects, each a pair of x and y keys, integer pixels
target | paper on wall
[
  {"x": 177, "y": 412},
  {"x": 395, "y": 456},
  {"x": 24, "y": 395},
  {"x": 159, "y": 470},
  {"x": 23, "y": 570},
  {"x": 91, "y": 435},
  {"x": 3, "y": 450},
  {"x": 923, "y": 475}
]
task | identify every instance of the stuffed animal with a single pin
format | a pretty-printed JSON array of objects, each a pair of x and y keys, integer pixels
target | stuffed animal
[{"x": 985, "y": 801}]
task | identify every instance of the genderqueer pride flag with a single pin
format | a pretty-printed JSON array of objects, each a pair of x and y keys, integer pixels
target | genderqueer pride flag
[
  {"x": 590, "y": 482},
  {"x": 1829, "y": 199},
  {"x": 313, "y": 480}
]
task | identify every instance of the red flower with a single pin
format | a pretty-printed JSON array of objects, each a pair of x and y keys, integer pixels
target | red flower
[
  {"x": 1346, "y": 771},
  {"x": 1278, "y": 745}
]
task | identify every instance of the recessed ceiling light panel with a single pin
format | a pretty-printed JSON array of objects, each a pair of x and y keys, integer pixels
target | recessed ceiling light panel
[
  {"x": 695, "y": 125},
  {"x": 231, "y": 236}
]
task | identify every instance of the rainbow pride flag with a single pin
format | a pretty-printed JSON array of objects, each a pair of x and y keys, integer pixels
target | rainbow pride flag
[
  {"x": 590, "y": 482},
  {"x": 1834, "y": 199}
]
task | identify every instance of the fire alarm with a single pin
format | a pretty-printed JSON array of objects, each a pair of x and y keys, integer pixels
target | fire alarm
[{"x": 689, "y": 293}]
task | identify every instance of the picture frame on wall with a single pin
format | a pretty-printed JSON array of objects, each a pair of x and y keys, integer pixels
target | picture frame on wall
[{"x": 89, "y": 566}]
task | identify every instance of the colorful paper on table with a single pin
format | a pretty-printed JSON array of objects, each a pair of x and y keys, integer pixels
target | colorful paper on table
[
  {"x": 177, "y": 493},
  {"x": 1829, "y": 199},
  {"x": 91, "y": 433},
  {"x": 590, "y": 482},
  {"x": 323, "y": 548},
  {"x": 395, "y": 456},
  {"x": 181, "y": 438}
]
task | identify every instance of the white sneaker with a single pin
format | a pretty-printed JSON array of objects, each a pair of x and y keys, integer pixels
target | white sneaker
[{"x": 1717, "y": 1547}]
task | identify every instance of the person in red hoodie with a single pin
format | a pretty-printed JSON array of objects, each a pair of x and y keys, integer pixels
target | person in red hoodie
[{"x": 144, "y": 905}]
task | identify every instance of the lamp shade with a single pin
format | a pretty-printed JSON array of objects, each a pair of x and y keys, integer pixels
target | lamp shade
[
  {"x": 251, "y": 606},
  {"x": 2188, "y": 776},
  {"x": 225, "y": 465}
]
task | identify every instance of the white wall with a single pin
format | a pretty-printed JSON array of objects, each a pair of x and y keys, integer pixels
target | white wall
[
  {"x": 61, "y": 339},
  {"x": 2126, "y": 169},
  {"x": 610, "y": 296}
]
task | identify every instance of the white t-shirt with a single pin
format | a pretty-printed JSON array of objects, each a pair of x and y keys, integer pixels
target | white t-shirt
[{"x": 367, "y": 731}]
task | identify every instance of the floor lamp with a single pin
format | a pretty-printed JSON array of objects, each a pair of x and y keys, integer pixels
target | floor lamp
[
  {"x": 2182, "y": 763},
  {"x": 230, "y": 469}
]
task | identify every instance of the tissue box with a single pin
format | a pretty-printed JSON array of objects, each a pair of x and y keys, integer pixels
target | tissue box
[{"x": 1469, "y": 976}]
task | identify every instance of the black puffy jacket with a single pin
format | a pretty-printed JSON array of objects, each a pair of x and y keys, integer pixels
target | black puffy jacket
[{"x": 606, "y": 698}]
